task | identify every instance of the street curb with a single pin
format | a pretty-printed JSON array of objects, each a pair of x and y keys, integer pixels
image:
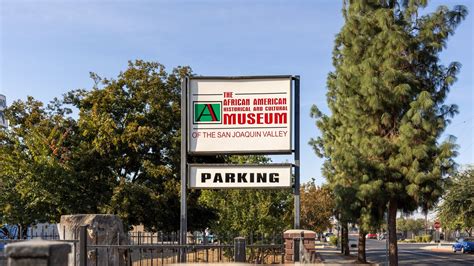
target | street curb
[
  {"x": 406, "y": 243},
  {"x": 444, "y": 250}
]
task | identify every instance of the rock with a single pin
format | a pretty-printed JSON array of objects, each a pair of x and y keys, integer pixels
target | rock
[{"x": 103, "y": 229}]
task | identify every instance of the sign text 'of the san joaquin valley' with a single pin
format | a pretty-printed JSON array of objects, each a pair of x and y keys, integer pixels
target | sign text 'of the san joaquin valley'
[
  {"x": 240, "y": 115},
  {"x": 240, "y": 176}
]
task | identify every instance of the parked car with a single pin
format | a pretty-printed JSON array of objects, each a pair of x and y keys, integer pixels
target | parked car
[
  {"x": 383, "y": 236},
  {"x": 464, "y": 245},
  {"x": 200, "y": 238},
  {"x": 371, "y": 236}
]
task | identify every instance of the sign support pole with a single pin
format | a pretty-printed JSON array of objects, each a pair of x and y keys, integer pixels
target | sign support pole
[
  {"x": 184, "y": 158},
  {"x": 297, "y": 153}
]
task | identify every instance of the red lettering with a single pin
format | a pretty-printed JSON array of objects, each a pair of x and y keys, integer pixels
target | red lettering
[
  {"x": 255, "y": 118},
  {"x": 251, "y": 118}
]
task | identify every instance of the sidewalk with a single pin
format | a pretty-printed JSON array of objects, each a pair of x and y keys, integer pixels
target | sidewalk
[{"x": 332, "y": 256}]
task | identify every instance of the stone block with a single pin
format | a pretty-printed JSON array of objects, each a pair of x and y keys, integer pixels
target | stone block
[
  {"x": 102, "y": 229},
  {"x": 38, "y": 252}
]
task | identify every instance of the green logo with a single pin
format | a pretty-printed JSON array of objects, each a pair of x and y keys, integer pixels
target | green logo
[{"x": 207, "y": 112}]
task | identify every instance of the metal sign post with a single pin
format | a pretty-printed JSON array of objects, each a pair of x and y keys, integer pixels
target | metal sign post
[
  {"x": 183, "y": 224},
  {"x": 297, "y": 153}
]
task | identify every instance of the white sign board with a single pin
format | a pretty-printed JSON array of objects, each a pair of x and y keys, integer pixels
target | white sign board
[
  {"x": 239, "y": 176},
  {"x": 240, "y": 116},
  {"x": 3, "y": 105}
]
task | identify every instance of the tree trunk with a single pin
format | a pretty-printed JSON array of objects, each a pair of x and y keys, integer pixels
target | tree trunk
[
  {"x": 468, "y": 231},
  {"x": 346, "y": 240},
  {"x": 361, "y": 258},
  {"x": 341, "y": 239},
  {"x": 392, "y": 232},
  {"x": 426, "y": 223}
]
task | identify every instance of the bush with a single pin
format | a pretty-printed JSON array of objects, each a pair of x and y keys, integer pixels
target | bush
[
  {"x": 427, "y": 238},
  {"x": 333, "y": 240},
  {"x": 409, "y": 240},
  {"x": 418, "y": 239}
]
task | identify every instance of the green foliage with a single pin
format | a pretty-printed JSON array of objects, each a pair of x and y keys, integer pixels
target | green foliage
[
  {"x": 121, "y": 156},
  {"x": 427, "y": 238},
  {"x": 410, "y": 225},
  {"x": 317, "y": 207},
  {"x": 422, "y": 239},
  {"x": 132, "y": 124},
  {"x": 456, "y": 211},
  {"x": 333, "y": 240},
  {"x": 38, "y": 159},
  {"x": 244, "y": 212}
]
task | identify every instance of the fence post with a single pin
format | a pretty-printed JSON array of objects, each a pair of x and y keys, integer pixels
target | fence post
[
  {"x": 296, "y": 249},
  {"x": 302, "y": 258},
  {"x": 83, "y": 245},
  {"x": 239, "y": 249}
]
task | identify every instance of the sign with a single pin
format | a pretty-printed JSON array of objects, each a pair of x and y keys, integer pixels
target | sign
[
  {"x": 239, "y": 176},
  {"x": 239, "y": 115},
  {"x": 3, "y": 106},
  {"x": 437, "y": 225}
]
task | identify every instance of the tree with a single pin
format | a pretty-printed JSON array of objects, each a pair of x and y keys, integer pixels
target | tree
[
  {"x": 132, "y": 124},
  {"x": 120, "y": 156},
  {"x": 410, "y": 225},
  {"x": 317, "y": 207},
  {"x": 37, "y": 151},
  {"x": 386, "y": 98},
  {"x": 456, "y": 211}
]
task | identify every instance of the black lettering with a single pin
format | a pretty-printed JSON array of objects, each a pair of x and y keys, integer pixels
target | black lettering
[
  {"x": 205, "y": 176},
  {"x": 261, "y": 178},
  {"x": 229, "y": 177},
  {"x": 218, "y": 178},
  {"x": 274, "y": 177},
  {"x": 252, "y": 177},
  {"x": 241, "y": 178}
]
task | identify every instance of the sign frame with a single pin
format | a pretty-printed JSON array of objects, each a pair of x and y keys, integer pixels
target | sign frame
[
  {"x": 268, "y": 165},
  {"x": 185, "y": 154},
  {"x": 293, "y": 131}
]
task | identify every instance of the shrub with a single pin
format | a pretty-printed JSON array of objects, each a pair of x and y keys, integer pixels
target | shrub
[
  {"x": 427, "y": 238},
  {"x": 333, "y": 240},
  {"x": 418, "y": 239}
]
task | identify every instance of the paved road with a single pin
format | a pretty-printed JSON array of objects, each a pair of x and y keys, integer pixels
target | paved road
[{"x": 409, "y": 254}]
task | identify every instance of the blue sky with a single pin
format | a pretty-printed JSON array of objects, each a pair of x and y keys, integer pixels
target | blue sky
[{"x": 49, "y": 47}]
